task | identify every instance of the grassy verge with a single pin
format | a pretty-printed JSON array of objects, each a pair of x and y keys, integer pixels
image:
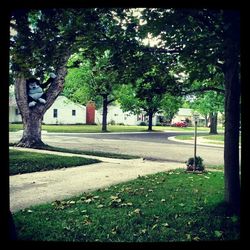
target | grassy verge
[
  {"x": 26, "y": 162},
  {"x": 184, "y": 137},
  {"x": 97, "y": 128},
  {"x": 167, "y": 207},
  {"x": 85, "y": 152},
  {"x": 94, "y": 153}
]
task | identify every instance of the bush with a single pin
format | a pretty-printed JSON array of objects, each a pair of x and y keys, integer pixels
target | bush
[
  {"x": 199, "y": 164},
  {"x": 112, "y": 122},
  {"x": 143, "y": 124}
]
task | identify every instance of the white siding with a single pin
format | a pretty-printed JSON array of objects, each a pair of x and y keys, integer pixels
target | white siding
[
  {"x": 12, "y": 115},
  {"x": 64, "y": 112},
  {"x": 116, "y": 114}
]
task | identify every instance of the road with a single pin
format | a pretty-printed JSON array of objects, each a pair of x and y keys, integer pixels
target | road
[{"x": 152, "y": 146}]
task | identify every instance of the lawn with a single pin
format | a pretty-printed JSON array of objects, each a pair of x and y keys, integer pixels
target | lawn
[
  {"x": 165, "y": 207},
  {"x": 26, "y": 162},
  {"x": 86, "y": 152},
  {"x": 97, "y": 128}
]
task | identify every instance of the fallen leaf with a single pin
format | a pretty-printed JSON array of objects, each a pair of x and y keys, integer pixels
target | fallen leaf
[
  {"x": 196, "y": 238},
  {"x": 234, "y": 219},
  {"x": 154, "y": 226},
  {"x": 112, "y": 197},
  {"x": 217, "y": 233},
  {"x": 165, "y": 224},
  {"x": 137, "y": 211},
  {"x": 88, "y": 201}
]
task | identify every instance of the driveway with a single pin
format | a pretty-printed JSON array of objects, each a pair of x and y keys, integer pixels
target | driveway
[{"x": 42, "y": 187}]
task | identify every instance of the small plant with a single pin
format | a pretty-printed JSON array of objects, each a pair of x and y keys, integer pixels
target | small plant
[
  {"x": 143, "y": 124},
  {"x": 112, "y": 122},
  {"x": 198, "y": 166}
]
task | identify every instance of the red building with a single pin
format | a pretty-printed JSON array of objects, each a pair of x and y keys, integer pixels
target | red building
[{"x": 90, "y": 113}]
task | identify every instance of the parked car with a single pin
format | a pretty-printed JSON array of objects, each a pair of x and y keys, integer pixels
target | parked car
[{"x": 179, "y": 124}]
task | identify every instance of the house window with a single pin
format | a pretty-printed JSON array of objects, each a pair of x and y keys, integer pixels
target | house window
[
  {"x": 17, "y": 111},
  {"x": 73, "y": 112},
  {"x": 55, "y": 113}
]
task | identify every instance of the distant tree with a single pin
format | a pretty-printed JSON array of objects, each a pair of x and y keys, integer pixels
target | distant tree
[
  {"x": 209, "y": 104},
  {"x": 92, "y": 80},
  {"x": 150, "y": 93},
  {"x": 170, "y": 105}
]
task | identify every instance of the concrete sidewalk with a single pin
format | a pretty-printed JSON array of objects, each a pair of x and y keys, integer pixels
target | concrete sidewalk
[{"x": 42, "y": 187}]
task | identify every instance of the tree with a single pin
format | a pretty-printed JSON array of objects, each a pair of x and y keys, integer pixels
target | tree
[
  {"x": 42, "y": 41},
  {"x": 150, "y": 93},
  {"x": 170, "y": 105},
  {"x": 92, "y": 80},
  {"x": 38, "y": 45},
  {"x": 209, "y": 104},
  {"x": 201, "y": 39}
]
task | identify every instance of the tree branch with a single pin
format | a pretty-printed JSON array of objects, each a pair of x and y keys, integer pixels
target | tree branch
[{"x": 111, "y": 100}]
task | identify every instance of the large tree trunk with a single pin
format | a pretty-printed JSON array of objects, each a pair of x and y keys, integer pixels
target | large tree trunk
[
  {"x": 104, "y": 113},
  {"x": 32, "y": 132},
  {"x": 32, "y": 117},
  {"x": 232, "y": 111},
  {"x": 231, "y": 149},
  {"x": 150, "y": 121},
  {"x": 213, "y": 122}
]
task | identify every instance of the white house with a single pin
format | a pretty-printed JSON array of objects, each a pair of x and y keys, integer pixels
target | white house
[
  {"x": 62, "y": 111},
  {"x": 117, "y": 116},
  {"x": 185, "y": 114}
]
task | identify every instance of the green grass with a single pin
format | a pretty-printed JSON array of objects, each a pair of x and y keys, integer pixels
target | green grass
[
  {"x": 168, "y": 207},
  {"x": 26, "y": 162},
  {"x": 214, "y": 137},
  {"x": 94, "y": 153},
  {"x": 97, "y": 128},
  {"x": 184, "y": 137},
  {"x": 85, "y": 152}
]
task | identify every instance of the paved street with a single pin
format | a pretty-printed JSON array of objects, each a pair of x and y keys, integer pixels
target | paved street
[{"x": 153, "y": 146}]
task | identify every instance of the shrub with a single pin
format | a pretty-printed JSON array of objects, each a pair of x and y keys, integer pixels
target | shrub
[
  {"x": 199, "y": 166},
  {"x": 143, "y": 124},
  {"x": 112, "y": 122}
]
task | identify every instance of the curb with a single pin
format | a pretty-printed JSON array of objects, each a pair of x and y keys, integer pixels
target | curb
[{"x": 172, "y": 138}]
